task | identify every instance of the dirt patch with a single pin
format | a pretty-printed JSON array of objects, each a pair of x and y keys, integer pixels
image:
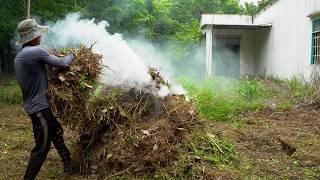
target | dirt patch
[
  {"x": 260, "y": 152},
  {"x": 284, "y": 144}
]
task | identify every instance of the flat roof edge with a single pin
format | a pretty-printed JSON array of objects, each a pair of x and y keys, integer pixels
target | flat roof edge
[
  {"x": 227, "y": 26},
  {"x": 258, "y": 25},
  {"x": 238, "y": 19},
  {"x": 314, "y": 14}
]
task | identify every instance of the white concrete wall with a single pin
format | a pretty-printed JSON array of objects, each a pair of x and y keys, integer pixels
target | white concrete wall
[
  {"x": 285, "y": 50},
  {"x": 261, "y": 51},
  {"x": 246, "y": 47}
]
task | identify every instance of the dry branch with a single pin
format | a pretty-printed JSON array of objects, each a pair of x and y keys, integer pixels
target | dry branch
[{"x": 120, "y": 130}]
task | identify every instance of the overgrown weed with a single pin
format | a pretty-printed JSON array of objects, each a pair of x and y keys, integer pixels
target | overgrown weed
[
  {"x": 10, "y": 93},
  {"x": 299, "y": 88},
  {"x": 251, "y": 89},
  {"x": 204, "y": 150},
  {"x": 209, "y": 148},
  {"x": 220, "y": 98},
  {"x": 285, "y": 105}
]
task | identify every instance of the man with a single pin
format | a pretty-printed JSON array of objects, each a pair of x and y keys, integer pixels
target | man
[{"x": 30, "y": 67}]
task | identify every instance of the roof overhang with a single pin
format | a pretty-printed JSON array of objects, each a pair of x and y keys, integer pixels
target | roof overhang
[
  {"x": 224, "y": 21},
  {"x": 227, "y": 19},
  {"x": 252, "y": 27},
  {"x": 314, "y": 14}
]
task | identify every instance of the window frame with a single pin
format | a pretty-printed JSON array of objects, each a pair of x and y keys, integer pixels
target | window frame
[{"x": 314, "y": 31}]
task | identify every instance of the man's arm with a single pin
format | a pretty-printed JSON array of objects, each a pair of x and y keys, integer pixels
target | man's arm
[{"x": 45, "y": 57}]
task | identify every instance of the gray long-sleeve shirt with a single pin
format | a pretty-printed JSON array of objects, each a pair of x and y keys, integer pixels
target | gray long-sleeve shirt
[{"x": 30, "y": 67}]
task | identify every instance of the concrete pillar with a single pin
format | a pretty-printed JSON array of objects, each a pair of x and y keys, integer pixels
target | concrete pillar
[{"x": 209, "y": 41}]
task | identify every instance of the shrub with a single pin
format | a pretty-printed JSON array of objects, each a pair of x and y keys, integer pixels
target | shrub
[
  {"x": 299, "y": 88},
  {"x": 10, "y": 93},
  {"x": 251, "y": 89},
  {"x": 295, "y": 85}
]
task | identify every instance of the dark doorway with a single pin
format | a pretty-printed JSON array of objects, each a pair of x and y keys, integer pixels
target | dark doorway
[{"x": 226, "y": 57}]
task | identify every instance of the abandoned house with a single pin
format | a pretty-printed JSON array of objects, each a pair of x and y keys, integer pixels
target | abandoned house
[{"x": 281, "y": 41}]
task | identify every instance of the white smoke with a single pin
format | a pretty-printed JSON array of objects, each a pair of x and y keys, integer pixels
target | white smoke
[
  {"x": 126, "y": 66},
  {"x": 128, "y": 62}
]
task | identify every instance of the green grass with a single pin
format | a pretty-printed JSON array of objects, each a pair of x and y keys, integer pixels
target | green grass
[
  {"x": 204, "y": 150},
  {"x": 10, "y": 93},
  {"x": 214, "y": 105},
  {"x": 54, "y": 173},
  {"x": 209, "y": 148},
  {"x": 285, "y": 105},
  {"x": 237, "y": 124},
  {"x": 220, "y": 98},
  {"x": 299, "y": 88},
  {"x": 251, "y": 89}
]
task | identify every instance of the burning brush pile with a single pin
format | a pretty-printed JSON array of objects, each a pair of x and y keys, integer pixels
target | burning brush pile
[{"x": 120, "y": 130}]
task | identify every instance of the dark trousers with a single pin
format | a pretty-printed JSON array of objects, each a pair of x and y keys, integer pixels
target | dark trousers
[{"x": 46, "y": 129}]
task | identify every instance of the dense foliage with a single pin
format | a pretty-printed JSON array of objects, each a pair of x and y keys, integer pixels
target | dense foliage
[{"x": 156, "y": 20}]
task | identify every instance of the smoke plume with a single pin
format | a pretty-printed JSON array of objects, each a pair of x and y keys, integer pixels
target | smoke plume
[{"x": 126, "y": 66}]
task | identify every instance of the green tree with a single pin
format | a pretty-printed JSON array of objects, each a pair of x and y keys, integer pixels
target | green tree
[
  {"x": 11, "y": 12},
  {"x": 250, "y": 8},
  {"x": 14, "y": 11},
  {"x": 52, "y": 10},
  {"x": 262, "y": 4},
  {"x": 157, "y": 20}
]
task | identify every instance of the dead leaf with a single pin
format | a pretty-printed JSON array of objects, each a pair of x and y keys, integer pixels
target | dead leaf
[
  {"x": 146, "y": 132},
  {"x": 109, "y": 156},
  {"x": 155, "y": 147},
  {"x": 191, "y": 112},
  {"x": 123, "y": 114},
  {"x": 139, "y": 168},
  {"x": 197, "y": 157},
  {"x": 61, "y": 77},
  {"x": 181, "y": 129}
]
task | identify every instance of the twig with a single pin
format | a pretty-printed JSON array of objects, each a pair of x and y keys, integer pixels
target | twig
[
  {"x": 165, "y": 107},
  {"x": 174, "y": 109},
  {"x": 121, "y": 172},
  {"x": 210, "y": 136},
  {"x": 137, "y": 106},
  {"x": 93, "y": 45},
  {"x": 52, "y": 45},
  {"x": 108, "y": 68},
  {"x": 74, "y": 47}
]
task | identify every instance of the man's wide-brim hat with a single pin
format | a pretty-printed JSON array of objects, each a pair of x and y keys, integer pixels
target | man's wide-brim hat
[{"x": 28, "y": 30}]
